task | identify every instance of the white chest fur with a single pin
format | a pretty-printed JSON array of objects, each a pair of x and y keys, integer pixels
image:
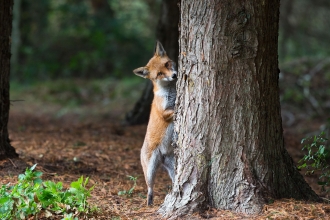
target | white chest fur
[{"x": 168, "y": 93}]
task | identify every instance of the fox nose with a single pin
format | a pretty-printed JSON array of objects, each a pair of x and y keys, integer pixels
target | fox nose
[{"x": 174, "y": 76}]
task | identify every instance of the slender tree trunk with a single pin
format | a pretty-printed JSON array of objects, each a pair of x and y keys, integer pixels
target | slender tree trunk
[
  {"x": 141, "y": 111},
  {"x": 6, "y": 150},
  {"x": 168, "y": 28},
  {"x": 168, "y": 34},
  {"x": 230, "y": 152},
  {"x": 15, "y": 36},
  {"x": 286, "y": 28}
]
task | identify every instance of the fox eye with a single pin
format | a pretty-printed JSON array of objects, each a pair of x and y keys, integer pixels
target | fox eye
[{"x": 159, "y": 73}]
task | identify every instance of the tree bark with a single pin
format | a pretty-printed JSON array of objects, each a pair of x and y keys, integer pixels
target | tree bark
[
  {"x": 230, "y": 152},
  {"x": 168, "y": 34},
  {"x": 6, "y": 150}
]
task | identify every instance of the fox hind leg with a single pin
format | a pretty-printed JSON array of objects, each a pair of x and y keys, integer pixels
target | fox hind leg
[
  {"x": 153, "y": 163},
  {"x": 169, "y": 166}
]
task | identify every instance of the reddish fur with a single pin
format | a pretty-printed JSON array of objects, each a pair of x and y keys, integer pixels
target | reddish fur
[
  {"x": 157, "y": 125},
  {"x": 159, "y": 117}
]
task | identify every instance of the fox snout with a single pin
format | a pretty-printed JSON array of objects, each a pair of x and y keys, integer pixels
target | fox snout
[
  {"x": 173, "y": 77},
  {"x": 170, "y": 65}
]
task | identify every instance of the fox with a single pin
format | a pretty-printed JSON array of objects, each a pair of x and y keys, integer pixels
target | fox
[{"x": 157, "y": 147}]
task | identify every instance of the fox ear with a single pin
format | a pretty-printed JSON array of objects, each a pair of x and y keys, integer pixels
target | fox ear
[
  {"x": 142, "y": 72},
  {"x": 159, "y": 49}
]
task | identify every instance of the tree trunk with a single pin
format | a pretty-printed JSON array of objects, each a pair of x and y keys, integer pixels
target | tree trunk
[
  {"x": 230, "y": 152},
  {"x": 141, "y": 111},
  {"x": 168, "y": 30},
  {"x": 286, "y": 29},
  {"x": 168, "y": 34},
  {"x": 15, "y": 36},
  {"x": 6, "y": 150}
]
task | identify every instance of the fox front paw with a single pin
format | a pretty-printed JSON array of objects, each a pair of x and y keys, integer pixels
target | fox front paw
[{"x": 168, "y": 115}]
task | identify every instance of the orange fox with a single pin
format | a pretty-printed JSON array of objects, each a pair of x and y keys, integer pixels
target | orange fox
[{"x": 157, "y": 147}]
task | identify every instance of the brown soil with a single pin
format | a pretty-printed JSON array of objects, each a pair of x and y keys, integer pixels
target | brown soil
[{"x": 108, "y": 152}]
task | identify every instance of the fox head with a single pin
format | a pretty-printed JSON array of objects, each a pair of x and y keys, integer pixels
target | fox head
[{"x": 160, "y": 68}]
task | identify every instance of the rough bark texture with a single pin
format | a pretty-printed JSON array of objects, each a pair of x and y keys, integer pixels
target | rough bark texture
[
  {"x": 6, "y": 150},
  {"x": 230, "y": 151},
  {"x": 168, "y": 34}
]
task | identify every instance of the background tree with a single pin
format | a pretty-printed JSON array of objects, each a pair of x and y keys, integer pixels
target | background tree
[
  {"x": 6, "y": 150},
  {"x": 301, "y": 29},
  {"x": 304, "y": 51},
  {"x": 168, "y": 34},
  {"x": 88, "y": 39},
  {"x": 15, "y": 36},
  {"x": 230, "y": 139}
]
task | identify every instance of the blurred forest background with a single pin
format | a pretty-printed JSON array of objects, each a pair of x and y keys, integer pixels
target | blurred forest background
[
  {"x": 76, "y": 53},
  {"x": 72, "y": 85}
]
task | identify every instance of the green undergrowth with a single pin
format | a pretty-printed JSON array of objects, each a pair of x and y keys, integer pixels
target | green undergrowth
[
  {"x": 129, "y": 192},
  {"x": 84, "y": 98},
  {"x": 79, "y": 92},
  {"x": 317, "y": 158},
  {"x": 31, "y": 196}
]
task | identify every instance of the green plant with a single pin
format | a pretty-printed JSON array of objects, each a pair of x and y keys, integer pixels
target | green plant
[
  {"x": 31, "y": 196},
  {"x": 130, "y": 191},
  {"x": 317, "y": 158}
]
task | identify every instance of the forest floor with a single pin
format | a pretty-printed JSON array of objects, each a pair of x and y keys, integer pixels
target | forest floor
[{"x": 92, "y": 141}]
